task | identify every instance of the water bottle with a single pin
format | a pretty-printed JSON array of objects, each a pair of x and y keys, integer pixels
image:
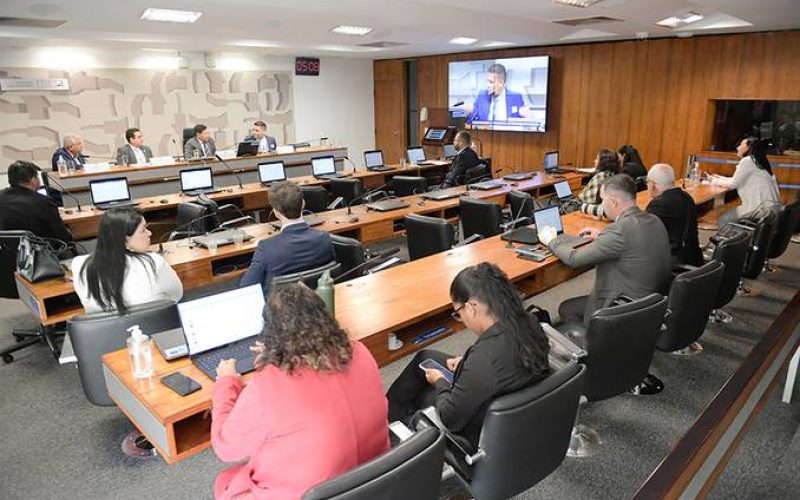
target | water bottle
[
  {"x": 140, "y": 350},
  {"x": 63, "y": 169},
  {"x": 325, "y": 291}
]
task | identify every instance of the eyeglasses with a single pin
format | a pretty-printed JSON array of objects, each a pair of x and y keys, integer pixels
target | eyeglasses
[{"x": 456, "y": 315}]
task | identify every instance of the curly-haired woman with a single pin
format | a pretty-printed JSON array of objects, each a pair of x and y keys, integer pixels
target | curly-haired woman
[{"x": 313, "y": 410}]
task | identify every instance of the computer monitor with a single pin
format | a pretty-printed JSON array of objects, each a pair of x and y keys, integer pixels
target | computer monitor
[
  {"x": 196, "y": 178},
  {"x": 221, "y": 319},
  {"x": 563, "y": 190},
  {"x": 323, "y": 165},
  {"x": 450, "y": 151},
  {"x": 549, "y": 216},
  {"x": 373, "y": 158},
  {"x": 272, "y": 171},
  {"x": 109, "y": 190},
  {"x": 416, "y": 154},
  {"x": 550, "y": 161}
]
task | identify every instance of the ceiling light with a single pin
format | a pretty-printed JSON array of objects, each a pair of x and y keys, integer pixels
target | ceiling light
[
  {"x": 351, "y": 30},
  {"x": 680, "y": 20},
  {"x": 497, "y": 44},
  {"x": 578, "y": 3},
  {"x": 170, "y": 16},
  {"x": 463, "y": 40}
]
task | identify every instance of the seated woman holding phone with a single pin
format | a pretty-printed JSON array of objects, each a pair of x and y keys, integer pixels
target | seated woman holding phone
[{"x": 510, "y": 353}]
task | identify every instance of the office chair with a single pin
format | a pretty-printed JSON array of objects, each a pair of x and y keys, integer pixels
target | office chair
[
  {"x": 427, "y": 235},
  {"x": 316, "y": 198},
  {"x": 477, "y": 173},
  {"x": 96, "y": 334},
  {"x": 480, "y": 217},
  {"x": 190, "y": 220},
  {"x": 521, "y": 205},
  {"x": 309, "y": 277},
  {"x": 691, "y": 299},
  {"x": 763, "y": 232},
  {"x": 406, "y": 185},
  {"x": 9, "y": 243},
  {"x": 732, "y": 252},
  {"x": 188, "y": 133},
  {"x": 352, "y": 255},
  {"x": 347, "y": 188},
  {"x": 513, "y": 451},
  {"x": 787, "y": 224},
  {"x": 412, "y": 469}
]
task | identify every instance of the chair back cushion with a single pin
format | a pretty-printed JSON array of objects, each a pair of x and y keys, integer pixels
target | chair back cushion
[
  {"x": 349, "y": 252},
  {"x": 9, "y": 243},
  {"x": 732, "y": 252},
  {"x": 404, "y": 185},
  {"x": 521, "y": 205},
  {"x": 427, "y": 235},
  {"x": 316, "y": 198},
  {"x": 480, "y": 217},
  {"x": 478, "y": 172},
  {"x": 787, "y": 225},
  {"x": 349, "y": 189},
  {"x": 759, "y": 248}
]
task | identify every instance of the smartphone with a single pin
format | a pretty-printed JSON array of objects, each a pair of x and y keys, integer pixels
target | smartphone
[
  {"x": 180, "y": 383},
  {"x": 430, "y": 364}
]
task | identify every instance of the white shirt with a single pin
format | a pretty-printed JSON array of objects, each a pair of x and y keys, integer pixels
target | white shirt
[
  {"x": 141, "y": 284},
  {"x": 139, "y": 154},
  {"x": 497, "y": 108},
  {"x": 263, "y": 145},
  {"x": 756, "y": 187},
  {"x": 291, "y": 222}
]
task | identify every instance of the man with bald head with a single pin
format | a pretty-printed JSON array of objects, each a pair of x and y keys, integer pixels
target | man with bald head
[
  {"x": 72, "y": 152},
  {"x": 677, "y": 211}
]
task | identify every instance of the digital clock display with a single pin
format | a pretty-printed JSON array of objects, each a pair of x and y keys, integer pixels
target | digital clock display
[{"x": 306, "y": 66}]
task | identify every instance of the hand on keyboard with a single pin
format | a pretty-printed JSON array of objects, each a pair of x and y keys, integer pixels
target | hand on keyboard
[{"x": 227, "y": 367}]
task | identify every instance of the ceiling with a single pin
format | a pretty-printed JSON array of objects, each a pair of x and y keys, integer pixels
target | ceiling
[{"x": 302, "y": 27}]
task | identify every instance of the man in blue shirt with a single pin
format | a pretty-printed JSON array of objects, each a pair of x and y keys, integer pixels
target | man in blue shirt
[
  {"x": 496, "y": 103},
  {"x": 72, "y": 152}
]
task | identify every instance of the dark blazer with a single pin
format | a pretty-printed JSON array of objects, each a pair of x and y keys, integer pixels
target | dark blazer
[
  {"x": 464, "y": 160},
  {"x": 193, "y": 145},
  {"x": 23, "y": 209},
  {"x": 77, "y": 163},
  {"x": 482, "y": 105},
  {"x": 271, "y": 142},
  {"x": 490, "y": 368},
  {"x": 297, "y": 248},
  {"x": 676, "y": 209},
  {"x": 126, "y": 156}
]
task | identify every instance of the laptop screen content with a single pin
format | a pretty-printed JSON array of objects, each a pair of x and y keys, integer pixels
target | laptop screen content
[
  {"x": 196, "y": 178},
  {"x": 416, "y": 155},
  {"x": 548, "y": 217},
  {"x": 551, "y": 160},
  {"x": 373, "y": 158},
  {"x": 271, "y": 172},
  {"x": 220, "y": 319},
  {"x": 563, "y": 190},
  {"x": 110, "y": 190},
  {"x": 323, "y": 165},
  {"x": 450, "y": 151}
]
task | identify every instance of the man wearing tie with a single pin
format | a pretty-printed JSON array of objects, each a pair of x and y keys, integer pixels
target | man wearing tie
[
  {"x": 72, "y": 152},
  {"x": 135, "y": 152},
  {"x": 201, "y": 145},
  {"x": 258, "y": 135},
  {"x": 496, "y": 102}
]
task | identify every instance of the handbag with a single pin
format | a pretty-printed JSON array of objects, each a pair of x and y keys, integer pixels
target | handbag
[{"x": 37, "y": 260}]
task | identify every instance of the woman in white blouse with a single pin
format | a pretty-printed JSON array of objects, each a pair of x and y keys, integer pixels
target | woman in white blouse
[
  {"x": 121, "y": 273},
  {"x": 753, "y": 180}
]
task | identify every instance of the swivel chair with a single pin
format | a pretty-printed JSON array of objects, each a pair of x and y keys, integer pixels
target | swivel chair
[
  {"x": 316, "y": 198},
  {"x": 405, "y": 185},
  {"x": 480, "y": 217},
  {"x": 786, "y": 226},
  {"x": 309, "y": 277},
  {"x": 732, "y": 252},
  {"x": 347, "y": 188},
  {"x": 427, "y": 235}
]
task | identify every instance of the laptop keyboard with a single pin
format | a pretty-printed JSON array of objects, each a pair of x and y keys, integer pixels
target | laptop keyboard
[{"x": 245, "y": 359}]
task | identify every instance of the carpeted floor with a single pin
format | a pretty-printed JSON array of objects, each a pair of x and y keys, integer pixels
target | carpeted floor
[{"x": 56, "y": 445}]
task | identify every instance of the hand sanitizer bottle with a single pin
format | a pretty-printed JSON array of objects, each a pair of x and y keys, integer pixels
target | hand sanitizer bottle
[{"x": 140, "y": 350}]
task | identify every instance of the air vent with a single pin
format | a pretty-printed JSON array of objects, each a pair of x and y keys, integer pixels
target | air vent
[
  {"x": 382, "y": 45},
  {"x": 27, "y": 22},
  {"x": 586, "y": 21}
]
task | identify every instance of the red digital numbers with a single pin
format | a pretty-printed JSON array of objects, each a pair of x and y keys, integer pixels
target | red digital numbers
[{"x": 306, "y": 66}]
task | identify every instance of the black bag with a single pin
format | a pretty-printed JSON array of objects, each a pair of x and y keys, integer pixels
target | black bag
[
  {"x": 542, "y": 315},
  {"x": 37, "y": 260}
]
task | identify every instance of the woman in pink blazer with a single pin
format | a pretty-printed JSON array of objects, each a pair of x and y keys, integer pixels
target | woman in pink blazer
[{"x": 314, "y": 408}]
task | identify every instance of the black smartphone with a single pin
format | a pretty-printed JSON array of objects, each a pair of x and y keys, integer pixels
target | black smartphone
[{"x": 180, "y": 383}]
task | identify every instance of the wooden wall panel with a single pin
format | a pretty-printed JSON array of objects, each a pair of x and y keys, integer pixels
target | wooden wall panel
[{"x": 390, "y": 109}]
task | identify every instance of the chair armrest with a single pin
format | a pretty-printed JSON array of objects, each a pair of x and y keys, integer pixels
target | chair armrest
[
  {"x": 400, "y": 430},
  {"x": 385, "y": 264},
  {"x": 471, "y": 239},
  {"x": 743, "y": 225},
  {"x": 560, "y": 345},
  {"x": 682, "y": 268},
  {"x": 622, "y": 299},
  {"x": 428, "y": 417}
]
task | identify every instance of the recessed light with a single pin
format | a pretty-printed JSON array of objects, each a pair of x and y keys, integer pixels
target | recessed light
[
  {"x": 680, "y": 20},
  {"x": 463, "y": 40},
  {"x": 578, "y": 3},
  {"x": 170, "y": 16},
  {"x": 351, "y": 30},
  {"x": 497, "y": 44}
]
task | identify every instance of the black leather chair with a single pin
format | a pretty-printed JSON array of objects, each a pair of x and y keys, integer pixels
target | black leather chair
[
  {"x": 406, "y": 185},
  {"x": 191, "y": 220},
  {"x": 480, "y": 217},
  {"x": 691, "y": 299},
  {"x": 427, "y": 235},
  {"x": 521, "y": 205},
  {"x": 316, "y": 198},
  {"x": 347, "y": 188},
  {"x": 732, "y": 252},
  {"x": 188, "y": 133},
  {"x": 524, "y": 437},
  {"x": 352, "y": 256},
  {"x": 763, "y": 233},
  {"x": 787, "y": 224},
  {"x": 477, "y": 173},
  {"x": 412, "y": 469},
  {"x": 309, "y": 277}
]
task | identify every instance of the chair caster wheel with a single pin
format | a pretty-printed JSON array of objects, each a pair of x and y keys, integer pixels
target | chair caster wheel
[{"x": 8, "y": 358}]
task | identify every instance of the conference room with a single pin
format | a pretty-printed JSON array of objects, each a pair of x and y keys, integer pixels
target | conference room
[{"x": 400, "y": 250}]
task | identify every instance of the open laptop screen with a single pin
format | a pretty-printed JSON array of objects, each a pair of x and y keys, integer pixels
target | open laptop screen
[
  {"x": 551, "y": 160},
  {"x": 109, "y": 190},
  {"x": 373, "y": 158},
  {"x": 220, "y": 319},
  {"x": 196, "y": 178},
  {"x": 548, "y": 217},
  {"x": 416, "y": 155},
  {"x": 450, "y": 151},
  {"x": 271, "y": 172},
  {"x": 563, "y": 190},
  {"x": 323, "y": 165}
]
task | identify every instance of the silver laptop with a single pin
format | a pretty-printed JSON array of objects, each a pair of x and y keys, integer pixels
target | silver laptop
[
  {"x": 373, "y": 160},
  {"x": 324, "y": 167},
  {"x": 171, "y": 343},
  {"x": 196, "y": 181},
  {"x": 563, "y": 191},
  {"x": 450, "y": 151},
  {"x": 273, "y": 171},
  {"x": 551, "y": 216},
  {"x": 110, "y": 193}
]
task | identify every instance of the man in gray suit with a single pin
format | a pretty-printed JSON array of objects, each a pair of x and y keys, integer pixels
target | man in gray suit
[
  {"x": 201, "y": 145},
  {"x": 258, "y": 136},
  {"x": 631, "y": 255},
  {"x": 135, "y": 152}
]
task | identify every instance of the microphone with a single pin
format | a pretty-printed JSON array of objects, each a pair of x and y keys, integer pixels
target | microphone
[
  {"x": 65, "y": 191},
  {"x": 338, "y": 201},
  {"x": 218, "y": 157},
  {"x": 367, "y": 263},
  {"x": 481, "y": 178},
  {"x": 459, "y": 103},
  {"x": 234, "y": 222},
  {"x": 181, "y": 229},
  {"x": 514, "y": 222},
  {"x": 365, "y": 195},
  {"x": 180, "y": 153},
  {"x": 100, "y": 157},
  {"x": 355, "y": 168}
]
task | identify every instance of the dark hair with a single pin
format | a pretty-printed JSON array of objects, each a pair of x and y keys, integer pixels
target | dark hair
[
  {"x": 260, "y": 124},
  {"x": 499, "y": 70},
  {"x": 757, "y": 149},
  {"x": 621, "y": 185},
  {"x": 631, "y": 155},
  {"x": 21, "y": 172},
  {"x": 131, "y": 133},
  {"x": 607, "y": 161},
  {"x": 299, "y": 331},
  {"x": 465, "y": 135},
  {"x": 199, "y": 128},
  {"x": 487, "y": 284},
  {"x": 104, "y": 272},
  {"x": 287, "y": 198}
]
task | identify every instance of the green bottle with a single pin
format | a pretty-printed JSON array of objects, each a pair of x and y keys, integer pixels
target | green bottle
[{"x": 325, "y": 291}]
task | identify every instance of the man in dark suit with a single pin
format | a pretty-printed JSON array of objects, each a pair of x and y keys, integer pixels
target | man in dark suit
[
  {"x": 465, "y": 159},
  {"x": 496, "y": 102},
  {"x": 71, "y": 152},
  {"x": 297, "y": 248},
  {"x": 258, "y": 136},
  {"x": 22, "y": 208},
  {"x": 677, "y": 211},
  {"x": 135, "y": 152},
  {"x": 631, "y": 254},
  {"x": 201, "y": 145}
]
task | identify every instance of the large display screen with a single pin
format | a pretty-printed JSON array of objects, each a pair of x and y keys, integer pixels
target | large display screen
[{"x": 500, "y": 94}]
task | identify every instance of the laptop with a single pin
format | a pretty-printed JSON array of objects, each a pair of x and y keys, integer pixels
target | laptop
[
  {"x": 487, "y": 185},
  {"x": 388, "y": 205},
  {"x": 221, "y": 238},
  {"x": 551, "y": 216},
  {"x": 450, "y": 151},
  {"x": 110, "y": 193},
  {"x": 223, "y": 326},
  {"x": 171, "y": 343},
  {"x": 271, "y": 172},
  {"x": 416, "y": 156},
  {"x": 196, "y": 181},
  {"x": 324, "y": 167},
  {"x": 518, "y": 176},
  {"x": 563, "y": 191},
  {"x": 551, "y": 163},
  {"x": 373, "y": 160},
  {"x": 247, "y": 149},
  {"x": 442, "y": 194}
]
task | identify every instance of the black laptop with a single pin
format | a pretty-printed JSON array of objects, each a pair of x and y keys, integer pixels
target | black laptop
[
  {"x": 373, "y": 160},
  {"x": 110, "y": 193},
  {"x": 324, "y": 167},
  {"x": 551, "y": 163},
  {"x": 195, "y": 181},
  {"x": 247, "y": 149}
]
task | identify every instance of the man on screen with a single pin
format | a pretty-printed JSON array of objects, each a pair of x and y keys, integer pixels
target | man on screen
[{"x": 496, "y": 103}]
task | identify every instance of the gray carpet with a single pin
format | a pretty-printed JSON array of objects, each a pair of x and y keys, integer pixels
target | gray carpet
[{"x": 57, "y": 445}]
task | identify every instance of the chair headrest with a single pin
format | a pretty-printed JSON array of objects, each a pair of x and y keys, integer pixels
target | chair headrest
[
  {"x": 538, "y": 389},
  {"x": 103, "y": 315},
  {"x": 649, "y": 301}
]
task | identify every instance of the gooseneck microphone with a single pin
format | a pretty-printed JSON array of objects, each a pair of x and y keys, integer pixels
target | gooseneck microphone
[
  {"x": 364, "y": 195},
  {"x": 218, "y": 157},
  {"x": 66, "y": 192}
]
